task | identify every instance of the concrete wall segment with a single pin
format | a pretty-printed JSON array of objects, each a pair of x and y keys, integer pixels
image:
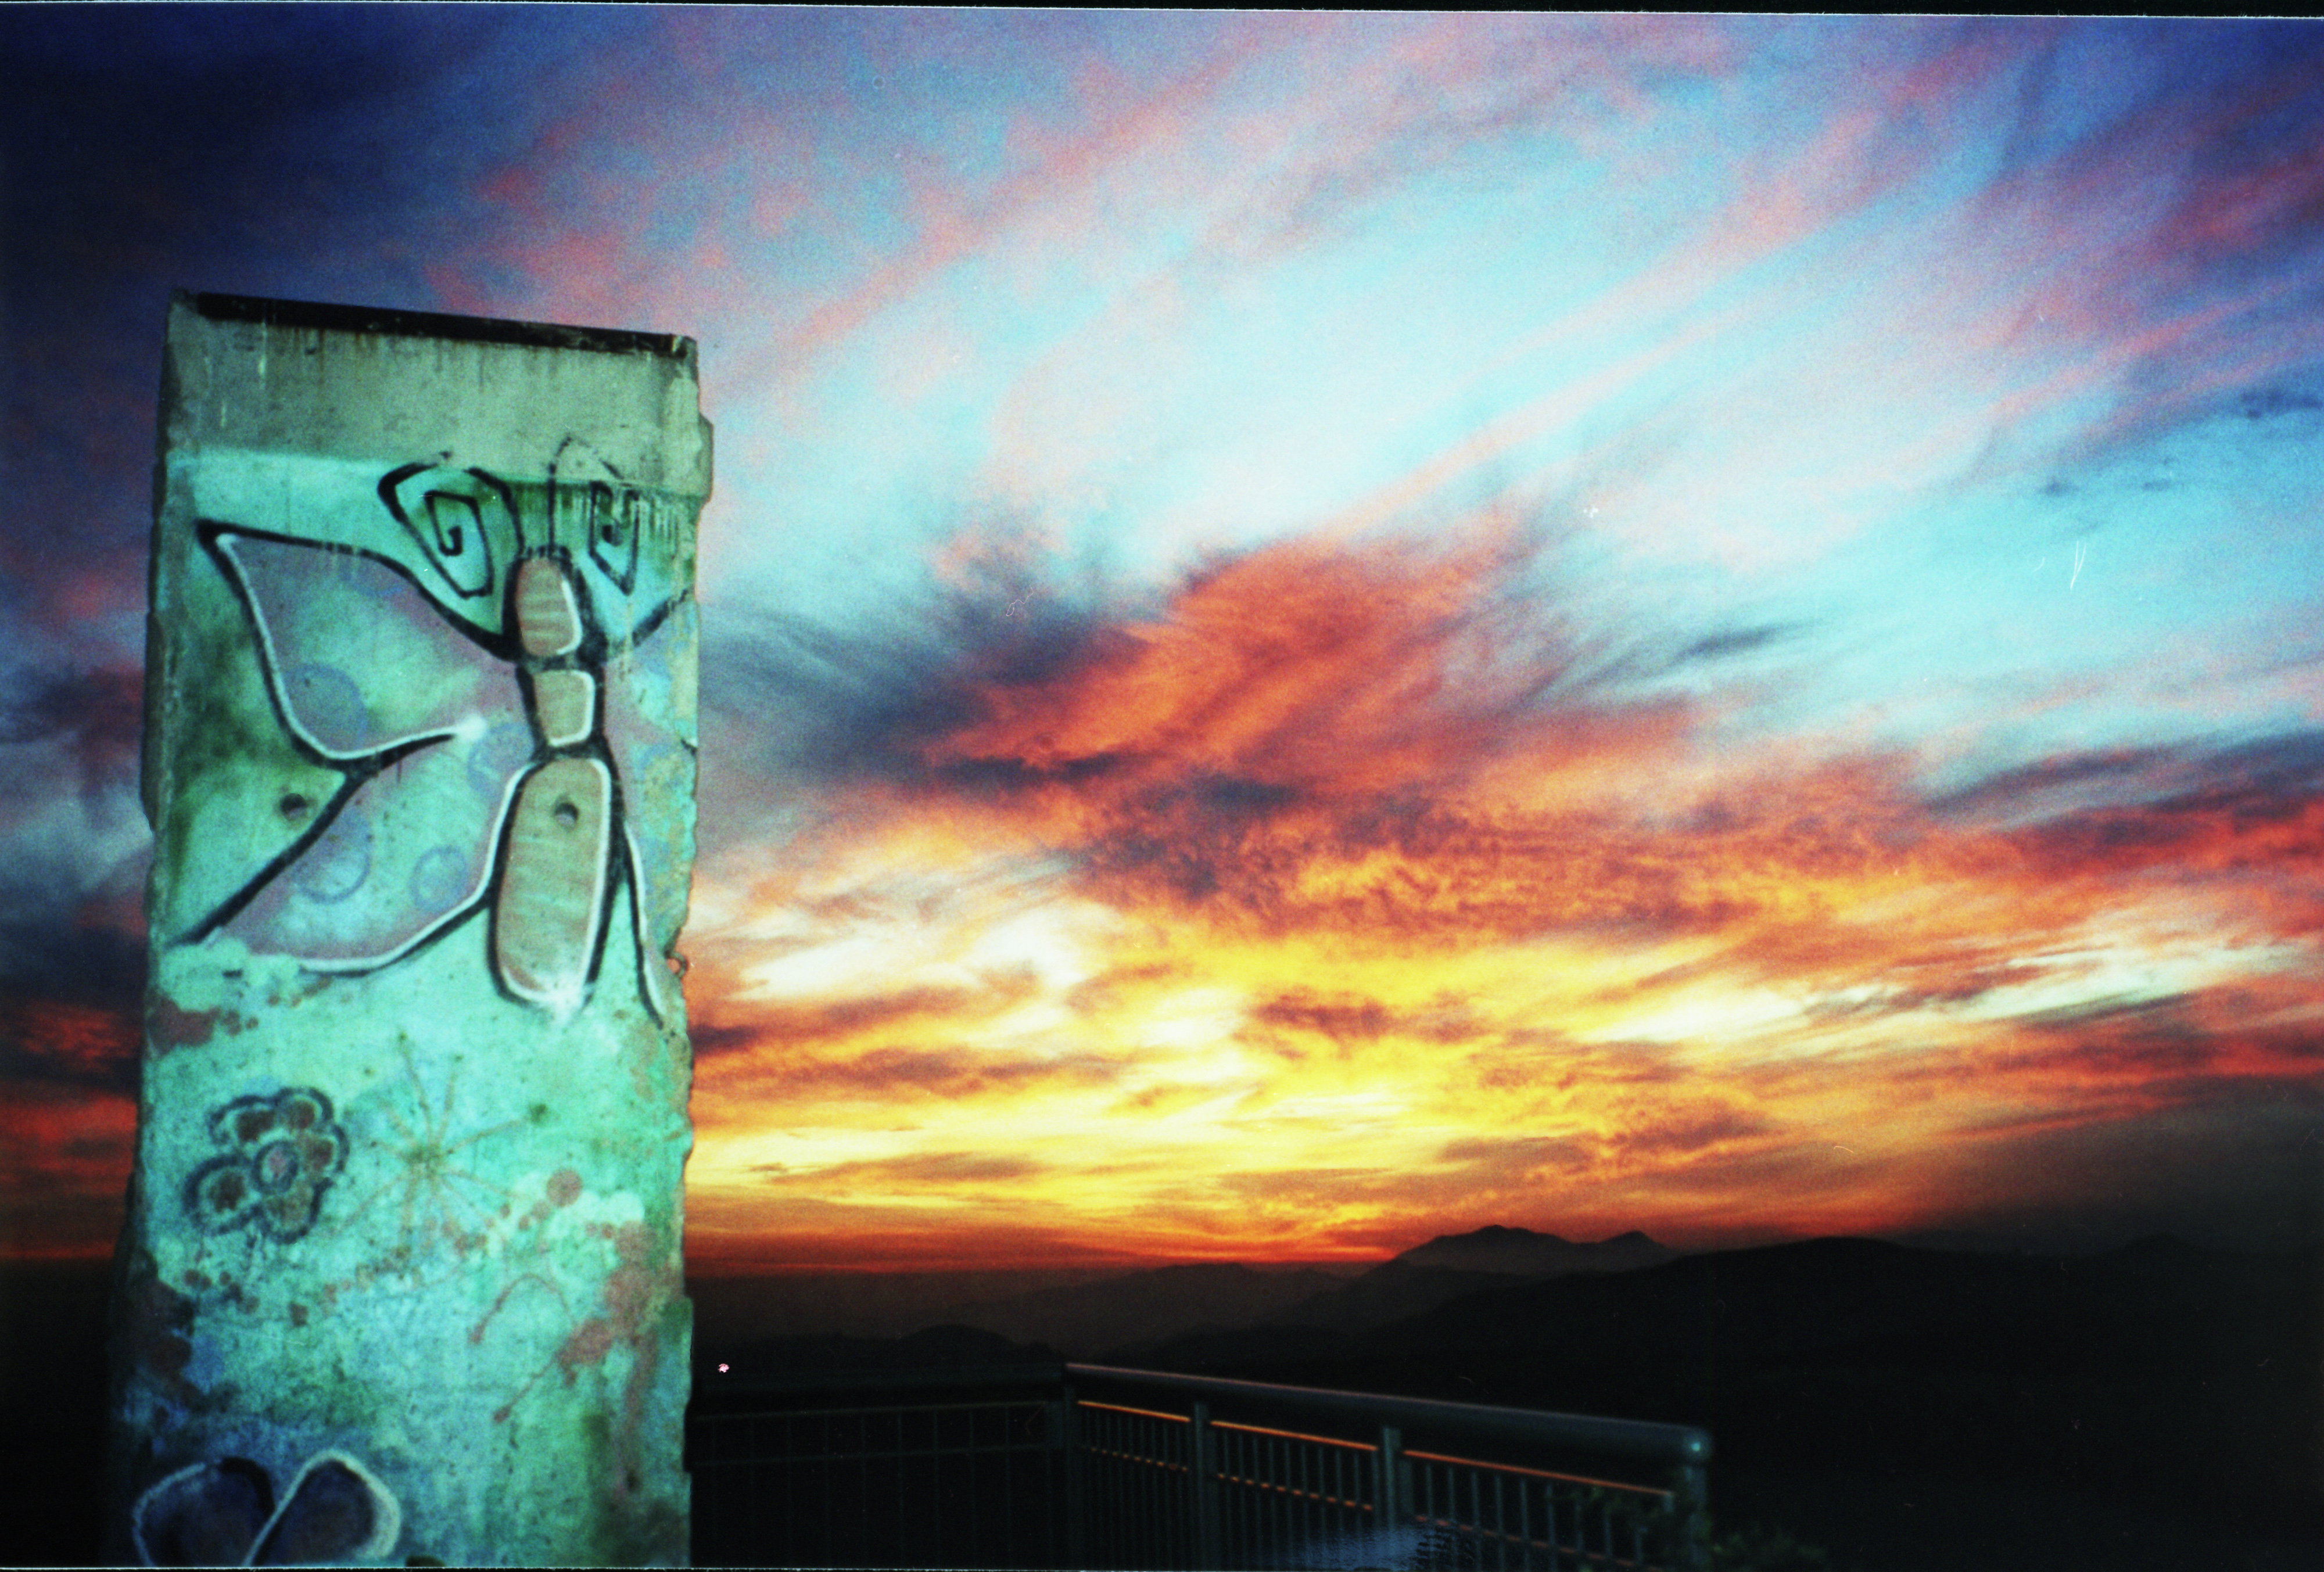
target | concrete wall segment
[{"x": 403, "y": 1254}]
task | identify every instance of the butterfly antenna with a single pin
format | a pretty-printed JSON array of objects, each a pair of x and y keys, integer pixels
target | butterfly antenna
[{"x": 556, "y": 495}]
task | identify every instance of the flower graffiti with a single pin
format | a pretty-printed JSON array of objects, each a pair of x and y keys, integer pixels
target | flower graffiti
[{"x": 282, "y": 1153}]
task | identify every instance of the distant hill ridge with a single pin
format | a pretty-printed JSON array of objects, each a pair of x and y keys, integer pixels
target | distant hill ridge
[
  {"x": 1117, "y": 1316},
  {"x": 1452, "y": 1265},
  {"x": 1522, "y": 1252},
  {"x": 1118, "y": 1313}
]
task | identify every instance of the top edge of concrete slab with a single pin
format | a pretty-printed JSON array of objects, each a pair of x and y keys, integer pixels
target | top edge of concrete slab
[
  {"x": 389, "y": 322},
  {"x": 391, "y": 387}
]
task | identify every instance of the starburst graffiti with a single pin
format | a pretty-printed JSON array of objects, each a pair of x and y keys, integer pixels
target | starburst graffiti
[{"x": 441, "y": 1202}]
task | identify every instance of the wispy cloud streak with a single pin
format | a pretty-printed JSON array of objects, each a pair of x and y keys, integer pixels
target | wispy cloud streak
[{"x": 1319, "y": 628}]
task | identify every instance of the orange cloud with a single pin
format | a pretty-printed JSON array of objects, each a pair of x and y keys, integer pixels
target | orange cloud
[{"x": 1333, "y": 895}]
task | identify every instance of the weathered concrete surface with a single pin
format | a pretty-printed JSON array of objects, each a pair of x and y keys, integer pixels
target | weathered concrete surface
[{"x": 402, "y": 1275}]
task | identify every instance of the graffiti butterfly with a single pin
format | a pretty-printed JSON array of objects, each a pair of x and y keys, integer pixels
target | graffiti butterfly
[{"x": 484, "y": 755}]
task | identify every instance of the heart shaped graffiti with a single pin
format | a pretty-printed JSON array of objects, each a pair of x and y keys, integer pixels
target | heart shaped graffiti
[{"x": 224, "y": 1513}]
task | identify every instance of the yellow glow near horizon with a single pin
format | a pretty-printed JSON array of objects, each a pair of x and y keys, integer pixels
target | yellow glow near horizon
[{"x": 1288, "y": 935}]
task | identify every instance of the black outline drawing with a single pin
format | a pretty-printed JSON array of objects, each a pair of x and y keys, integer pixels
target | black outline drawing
[
  {"x": 623, "y": 862},
  {"x": 447, "y": 540}
]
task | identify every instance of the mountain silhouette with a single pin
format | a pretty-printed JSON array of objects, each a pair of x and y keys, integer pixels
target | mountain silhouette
[{"x": 1522, "y": 1252}]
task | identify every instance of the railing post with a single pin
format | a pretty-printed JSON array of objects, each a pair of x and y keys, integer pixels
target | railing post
[
  {"x": 1388, "y": 1489},
  {"x": 1692, "y": 1510},
  {"x": 1069, "y": 1437},
  {"x": 1204, "y": 1449}
]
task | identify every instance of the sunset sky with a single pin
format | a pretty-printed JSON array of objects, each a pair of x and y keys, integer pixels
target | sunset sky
[{"x": 1321, "y": 630}]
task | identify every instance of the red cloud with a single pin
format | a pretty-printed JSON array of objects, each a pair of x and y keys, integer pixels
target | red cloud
[{"x": 64, "y": 1163}]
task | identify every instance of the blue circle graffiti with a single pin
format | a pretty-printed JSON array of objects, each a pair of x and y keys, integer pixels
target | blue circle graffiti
[
  {"x": 340, "y": 861},
  {"x": 440, "y": 879},
  {"x": 331, "y": 704}
]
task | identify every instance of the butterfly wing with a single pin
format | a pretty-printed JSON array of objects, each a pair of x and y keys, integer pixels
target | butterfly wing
[
  {"x": 655, "y": 758},
  {"x": 406, "y": 852},
  {"x": 427, "y": 723},
  {"x": 357, "y": 656}
]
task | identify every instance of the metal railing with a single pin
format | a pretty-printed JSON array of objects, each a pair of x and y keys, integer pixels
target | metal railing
[
  {"x": 1092, "y": 1466},
  {"x": 1194, "y": 1471},
  {"x": 963, "y": 1468}
]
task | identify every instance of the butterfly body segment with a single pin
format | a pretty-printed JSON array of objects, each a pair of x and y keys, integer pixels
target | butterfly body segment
[{"x": 549, "y": 913}]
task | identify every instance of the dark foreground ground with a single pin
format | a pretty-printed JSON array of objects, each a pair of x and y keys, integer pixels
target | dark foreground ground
[
  {"x": 51, "y": 1413},
  {"x": 1901, "y": 1411},
  {"x": 2159, "y": 1406}
]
